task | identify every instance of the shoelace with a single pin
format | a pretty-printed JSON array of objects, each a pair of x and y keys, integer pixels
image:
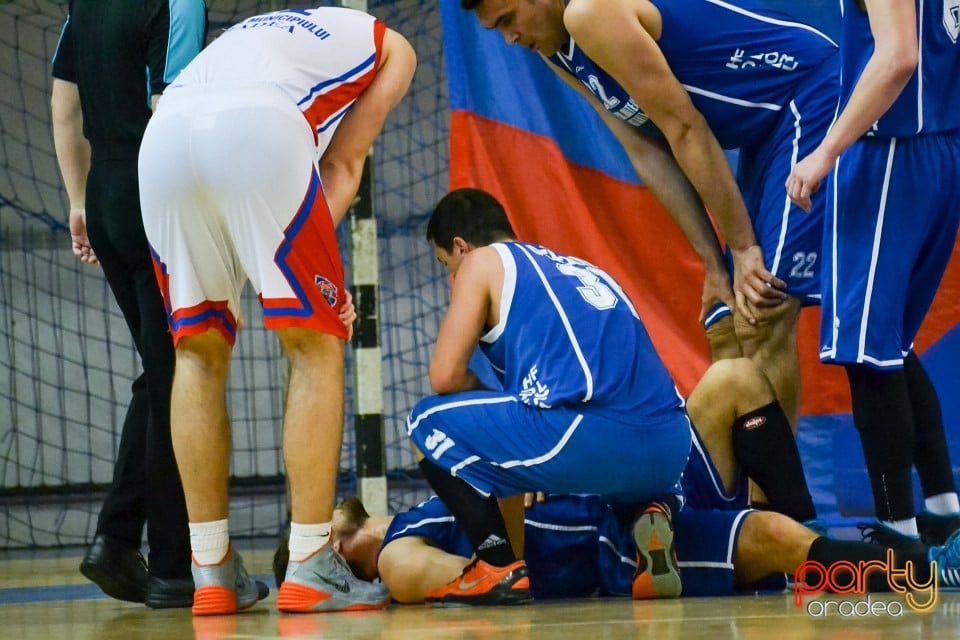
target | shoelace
[{"x": 868, "y": 532}]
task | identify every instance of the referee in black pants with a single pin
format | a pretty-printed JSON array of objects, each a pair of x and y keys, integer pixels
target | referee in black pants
[{"x": 113, "y": 61}]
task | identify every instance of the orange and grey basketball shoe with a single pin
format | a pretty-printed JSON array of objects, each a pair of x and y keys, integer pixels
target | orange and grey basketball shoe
[
  {"x": 324, "y": 582},
  {"x": 658, "y": 575},
  {"x": 484, "y": 584},
  {"x": 225, "y": 587}
]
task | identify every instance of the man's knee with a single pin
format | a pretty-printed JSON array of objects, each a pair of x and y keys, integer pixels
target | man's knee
[
  {"x": 771, "y": 534},
  {"x": 723, "y": 341},
  {"x": 769, "y": 318},
  {"x": 740, "y": 378},
  {"x": 775, "y": 326},
  {"x": 307, "y": 347},
  {"x": 208, "y": 350}
]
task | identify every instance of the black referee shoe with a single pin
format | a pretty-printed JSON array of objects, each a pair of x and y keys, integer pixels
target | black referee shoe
[
  {"x": 169, "y": 593},
  {"x": 118, "y": 570},
  {"x": 881, "y": 534}
]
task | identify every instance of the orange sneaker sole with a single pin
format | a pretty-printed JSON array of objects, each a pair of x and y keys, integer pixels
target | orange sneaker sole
[
  {"x": 297, "y": 598},
  {"x": 214, "y": 600}
]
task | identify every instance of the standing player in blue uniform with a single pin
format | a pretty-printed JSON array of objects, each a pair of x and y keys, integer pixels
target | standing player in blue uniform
[
  {"x": 587, "y": 406},
  {"x": 893, "y": 157},
  {"x": 709, "y": 75}
]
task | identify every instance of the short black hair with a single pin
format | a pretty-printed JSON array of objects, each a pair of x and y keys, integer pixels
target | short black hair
[
  {"x": 472, "y": 214},
  {"x": 470, "y": 4}
]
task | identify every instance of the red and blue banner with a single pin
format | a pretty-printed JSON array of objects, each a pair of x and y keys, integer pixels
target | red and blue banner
[{"x": 520, "y": 133}]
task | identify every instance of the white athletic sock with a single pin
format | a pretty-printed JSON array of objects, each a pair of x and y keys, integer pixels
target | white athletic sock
[
  {"x": 209, "y": 541},
  {"x": 943, "y": 504},
  {"x": 306, "y": 539},
  {"x": 907, "y": 527}
]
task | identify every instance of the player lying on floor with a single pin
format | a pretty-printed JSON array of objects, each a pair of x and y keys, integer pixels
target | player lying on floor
[{"x": 577, "y": 546}]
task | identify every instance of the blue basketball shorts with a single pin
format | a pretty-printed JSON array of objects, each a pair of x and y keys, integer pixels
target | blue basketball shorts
[
  {"x": 503, "y": 447},
  {"x": 706, "y": 544},
  {"x": 431, "y": 520},
  {"x": 576, "y": 547},
  {"x": 790, "y": 237},
  {"x": 888, "y": 237},
  {"x": 701, "y": 483},
  {"x": 561, "y": 541}
]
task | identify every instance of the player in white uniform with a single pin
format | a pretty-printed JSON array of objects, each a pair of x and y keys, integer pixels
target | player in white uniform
[{"x": 251, "y": 160}]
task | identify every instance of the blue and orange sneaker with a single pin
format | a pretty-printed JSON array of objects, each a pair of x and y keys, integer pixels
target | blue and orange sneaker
[
  {"x": 482, "y": 583},
  {"x": 658, "y": 575}
]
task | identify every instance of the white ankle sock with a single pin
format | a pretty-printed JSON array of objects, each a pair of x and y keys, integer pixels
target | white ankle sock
[
  {"x": 209, "y": 541},
  {"x": 942, "y": 504},
  {"x": 306, "y": 539},
  {"x": 907, "y": 527}
]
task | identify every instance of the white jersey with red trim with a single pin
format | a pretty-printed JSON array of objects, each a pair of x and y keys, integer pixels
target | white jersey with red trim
[{"x": 323, "y": 58}]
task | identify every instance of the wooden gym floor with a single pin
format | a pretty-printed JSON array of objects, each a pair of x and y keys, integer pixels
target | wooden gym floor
[{"x": 43, "y": 596}]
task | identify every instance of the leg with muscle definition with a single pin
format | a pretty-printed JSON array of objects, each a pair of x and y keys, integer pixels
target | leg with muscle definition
[
  {"x": 312, "y": 436},
  {"x": 199, "y": 424},
  {"x": 772, "y": 345},
  {"x": 743, "y": 428},
  {"x": 201, "y": 441}
]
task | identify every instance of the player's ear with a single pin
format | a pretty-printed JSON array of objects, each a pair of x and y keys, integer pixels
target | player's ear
[{"x": 461, "y": 244}]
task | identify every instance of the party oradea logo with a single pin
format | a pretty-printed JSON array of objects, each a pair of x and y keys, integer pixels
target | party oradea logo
[{"x": 813, "y": 578}]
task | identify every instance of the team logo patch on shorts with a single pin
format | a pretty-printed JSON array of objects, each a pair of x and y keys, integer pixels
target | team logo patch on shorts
[
  {"x": 951, "y": 19},
  {"x": 753, "y": 423},
  {"x": 327, "y": 289}
]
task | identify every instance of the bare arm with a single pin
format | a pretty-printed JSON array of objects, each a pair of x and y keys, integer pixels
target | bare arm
[
  {"x": 890, "y": 67},
  {"x": 409, "y": 567},
  {"x": 342, "y": 163},
  {"x": 73, "y": 157},
  {"x": 73, "y": 150},
  {"x": 462, "y": 326},
  {"x": 614, "y": 34},
  {"x": 667, "y": 182},
  {"x": 653, "y": 161}
]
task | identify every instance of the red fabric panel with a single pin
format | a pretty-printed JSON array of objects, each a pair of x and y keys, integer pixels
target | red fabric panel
[{"x": 623, "y": 229}]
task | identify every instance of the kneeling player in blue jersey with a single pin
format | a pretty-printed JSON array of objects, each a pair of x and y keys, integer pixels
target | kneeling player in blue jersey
[{"x": 586, "y": 405}]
